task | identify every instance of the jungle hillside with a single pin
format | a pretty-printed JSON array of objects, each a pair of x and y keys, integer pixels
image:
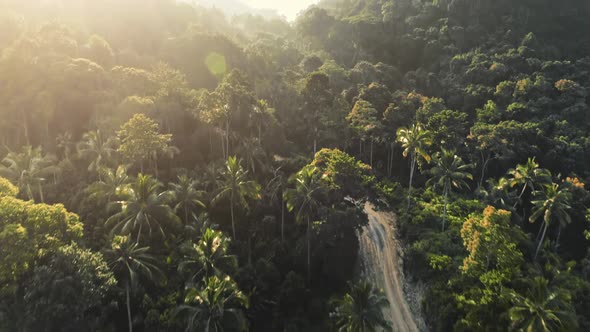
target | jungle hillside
[{"x": 370, "y": 165}]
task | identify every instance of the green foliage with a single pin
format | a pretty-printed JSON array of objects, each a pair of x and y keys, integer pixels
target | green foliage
[
  {"x": 543, "y": 308},
  {"x": 7, "y": 188},
  {"x": 141, "y": 140},
  {"x": 144, "y": 208},
  {"x": 209, "y": 256},
  {"x": 218, "y": 306},
  {"x": 360, "y": 309}
]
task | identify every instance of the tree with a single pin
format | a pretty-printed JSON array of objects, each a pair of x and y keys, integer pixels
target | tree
[
  {"x": 128, "y": 261},
  {"x": 141, "y": 140},
  {"x": 144, "y": 206},
  {"x": 552, "y": 203},
  {"x": 111, "y": 184},
  {"x": 542, "y": 308},
  {"x": 414, "y": 141},
  {"x": 361, "y": 309},
  {"x": 275, "y": 189},
  {"x": 262, "y": 116},
  {"x": 528, "y": 175},
  {"x": 29, "y": 169},
  {"x": 364, "y": 120},
  {"x": 97, "y": 149},
  {"x": 235, "y": 185},
  {"x": 231, "y": 102},
  {"x": 253, "y": 154},
  {"x": 209, "y": 256},
  {"x": 67, "y": 291},
  {"x": 186, "y": 196},
  {"x": 318, "y": 99},
  {"x": 28, "y": 232},
  {"x": 305, "y": 198},
  {"x": 450, "y": 171},
  {"x": 7, "y": 188},
  {"x": 217, "y": 306}
]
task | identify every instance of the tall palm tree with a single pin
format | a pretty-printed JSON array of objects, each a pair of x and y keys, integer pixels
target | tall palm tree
[
  {"x": 111, "y": 183},
  {"x": 29, "y": 169},
  {"x": 209, "y": 256},
  {"x": 553, "y": 203},
  {"x": 450, "y": 171},
  {"x": 305, "y": 197},
  {"x": 128, "y": 260},
  {"x": 253, "y": 154},
  {"x": 144, "y": 206},
  {"x": 261, "y": 116},
  {"x": 528, "y": 175},
  {"x": 97, "y": 149},
  {"x": 235, "y": 185},
  {"x": 186, "y": 196},
  {"x": 414, "y": 141},
  {"x": 361, "y": 310},
  {"x": 275, "y": 189},
  {"x": 66, "y": 144},
  {"x": 542, "y": 308},
  {"x": 216, "y": 307}
]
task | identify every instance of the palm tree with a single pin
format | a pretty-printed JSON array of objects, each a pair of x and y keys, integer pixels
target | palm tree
[
  {"x": 29, "y": 169},
  {"x": 542, "y": 308},
  {"x": 414, "y": 141},
  {"x": 261, "y": 116},
  {"x": 450, "y": 171},
  {"x": 217, "y": 307},
  {"x": 143, "y": 206},
  {"x": 186, "y": 196},
  {"x": 553, "y": 203},
  {"x": 97, "y": 149},
  {"x": 361, "y": 310},
  {"x": 65, "y": 143},
  {"x": 252, "y": 153},
  {"x": 128, "y": 261},
  {"x": 209, "y": 256},
  {"x": 112, "y": 182},
  {"x": 305, "y": 197},
  {"x": 528, "y": 175},
  {"x": 275, "y": 189},
  {"x": 235, "y": 185}
]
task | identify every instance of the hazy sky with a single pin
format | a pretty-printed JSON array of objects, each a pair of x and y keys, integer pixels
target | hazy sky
[{"x": 289, "y": 8}]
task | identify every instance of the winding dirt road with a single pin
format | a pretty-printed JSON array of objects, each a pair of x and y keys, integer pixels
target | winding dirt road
[{"x": 380, "y": 264}]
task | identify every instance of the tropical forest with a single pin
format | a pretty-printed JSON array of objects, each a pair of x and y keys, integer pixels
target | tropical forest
[{"x": 294, "y": 165}]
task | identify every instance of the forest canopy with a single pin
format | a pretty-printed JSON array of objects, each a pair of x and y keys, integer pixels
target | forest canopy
[{"x": 165, "y": 166}]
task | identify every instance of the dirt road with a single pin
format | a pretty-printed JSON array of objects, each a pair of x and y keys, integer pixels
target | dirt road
[{"x": 380, "y": 264}]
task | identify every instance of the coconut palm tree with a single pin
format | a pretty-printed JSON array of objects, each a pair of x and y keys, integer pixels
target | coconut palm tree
[
  {"x": 527, "y": 176},
  {"x": 144, "y": 206},
  {"x": 111, "y": 183},
  {"x": 235, "y": 185},
  {"x": 414, "y": 141},
  {"x": 209, "y": 256},
  {"x": 186, "y": 196},
  {"x": 216, "y": 307},
  {"x": 552, "y": 203},
  {"x": 275, "y": 189},
  {"x": 305, "y": 199},
  {"x": 361, "y": 310},
  {"x": 261, "y": 116},
  {"x": 253, "y": 154},
  {"x": 97, "y": 149},
  {"x": 128, "y": 261},
  {"x": 29, "y": 169},
  {"x": 450, "y": 171},
  {"x": 542, "y": 308}
]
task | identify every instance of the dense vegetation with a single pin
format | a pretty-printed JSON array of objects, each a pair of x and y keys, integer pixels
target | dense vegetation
[{"x": 164, "y": 167}]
